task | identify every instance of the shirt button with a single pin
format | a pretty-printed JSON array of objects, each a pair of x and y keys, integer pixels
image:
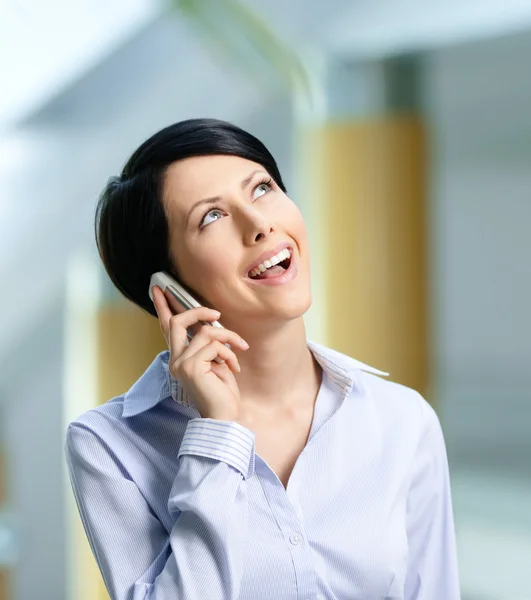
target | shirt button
[{"x": 295, "y": 539}]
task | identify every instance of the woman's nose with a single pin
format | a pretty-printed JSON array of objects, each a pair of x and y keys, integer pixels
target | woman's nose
[
  {"x": 256, "y": 226},
  {"x": 258, "y": 235}
]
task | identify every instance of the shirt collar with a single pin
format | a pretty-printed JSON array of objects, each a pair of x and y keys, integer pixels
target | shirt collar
[
  {"x": 152, "y": 387},
  {"x": 339, "y": 367},
  {"x": 156, "y": 384}
]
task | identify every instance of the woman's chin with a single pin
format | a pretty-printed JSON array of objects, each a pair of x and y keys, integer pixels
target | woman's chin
[
  {"x": 268, "y": 316},
  {"x": 292, "y": 308}
]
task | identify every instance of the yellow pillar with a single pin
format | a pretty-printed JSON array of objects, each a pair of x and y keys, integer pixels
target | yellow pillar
[
  {"x": 128, "y": 340},
  {"x": 366, "y": 181}
]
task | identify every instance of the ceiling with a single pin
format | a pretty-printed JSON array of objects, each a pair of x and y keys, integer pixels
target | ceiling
[
  {"x": 56, "y": 42},
  {"x": 372, "y": 29}
]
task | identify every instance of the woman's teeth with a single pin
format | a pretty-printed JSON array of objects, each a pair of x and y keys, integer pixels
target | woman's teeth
[{"x": 267, "y": 264}]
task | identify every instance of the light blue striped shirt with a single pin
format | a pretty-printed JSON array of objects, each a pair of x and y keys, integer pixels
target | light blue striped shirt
[{"x": 183, "y": 508}]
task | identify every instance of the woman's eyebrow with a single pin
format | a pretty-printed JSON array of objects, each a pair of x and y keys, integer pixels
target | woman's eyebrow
[
  {"x": 215, "y": 199},
  {"x": 199, "y": 203},
  {"x": 248, "y": 179}
]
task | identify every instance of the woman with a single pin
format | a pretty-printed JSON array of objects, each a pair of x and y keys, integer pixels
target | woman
[{"x": 286, "y": 471}]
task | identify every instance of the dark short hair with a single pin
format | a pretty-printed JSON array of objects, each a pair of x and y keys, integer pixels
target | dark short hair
[{"x": 131, "y": 226}]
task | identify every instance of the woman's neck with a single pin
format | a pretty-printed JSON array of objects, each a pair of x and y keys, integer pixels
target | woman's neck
[{"x": 278, "y": 372}]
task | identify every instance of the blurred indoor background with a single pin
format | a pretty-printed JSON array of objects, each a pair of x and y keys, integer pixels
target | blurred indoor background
[{"x": 403, "y": 131}]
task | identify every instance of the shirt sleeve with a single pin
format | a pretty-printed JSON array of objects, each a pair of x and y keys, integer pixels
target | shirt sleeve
[
  {"x": 202, "y": 555},
  {"x": 432, "y": 565}
]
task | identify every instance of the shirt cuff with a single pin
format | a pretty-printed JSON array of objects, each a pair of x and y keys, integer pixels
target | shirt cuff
[{"x": 225, "y": 441}]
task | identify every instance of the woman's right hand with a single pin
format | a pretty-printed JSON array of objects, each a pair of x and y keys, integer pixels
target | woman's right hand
[{"x": 212, "y": 385}]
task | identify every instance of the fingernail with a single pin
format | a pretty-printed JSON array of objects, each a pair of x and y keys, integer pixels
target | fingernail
[
  {"x": 245, "y": 344},
  {"x": 216, "y": 312}
]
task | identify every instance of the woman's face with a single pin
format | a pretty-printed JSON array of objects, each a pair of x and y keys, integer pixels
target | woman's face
[{"x": 224, "y": 212}]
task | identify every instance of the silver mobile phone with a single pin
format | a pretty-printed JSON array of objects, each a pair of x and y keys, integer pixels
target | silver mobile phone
[{"x": 179, "y": 300}]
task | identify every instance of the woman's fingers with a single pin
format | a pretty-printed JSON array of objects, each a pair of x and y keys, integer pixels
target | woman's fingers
[
  {"x": 207, "y": 333},
  {"x": 163, "y": 312},
  {"x": 174, "y": 327},
  {"x": 200, "y": 362}
]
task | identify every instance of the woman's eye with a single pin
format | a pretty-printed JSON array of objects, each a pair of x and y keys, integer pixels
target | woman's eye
[
  {"x": 205, "y": 221},
  {"x": 261, "y": 189}
]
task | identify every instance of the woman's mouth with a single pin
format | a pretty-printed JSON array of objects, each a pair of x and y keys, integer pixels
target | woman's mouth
[
  {"x": 275, "y": 265},
  {"x": 278, "y": 270}
]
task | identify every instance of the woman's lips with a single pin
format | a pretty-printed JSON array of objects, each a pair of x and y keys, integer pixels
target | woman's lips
[
  {"x": 289, "y": 274},
  {"x": 267, "y": 255}
]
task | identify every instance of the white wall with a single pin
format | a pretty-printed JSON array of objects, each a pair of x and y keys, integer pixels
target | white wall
[
  {"x": 32, "y": 427},
  {"x": 478, "y": 101}
]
